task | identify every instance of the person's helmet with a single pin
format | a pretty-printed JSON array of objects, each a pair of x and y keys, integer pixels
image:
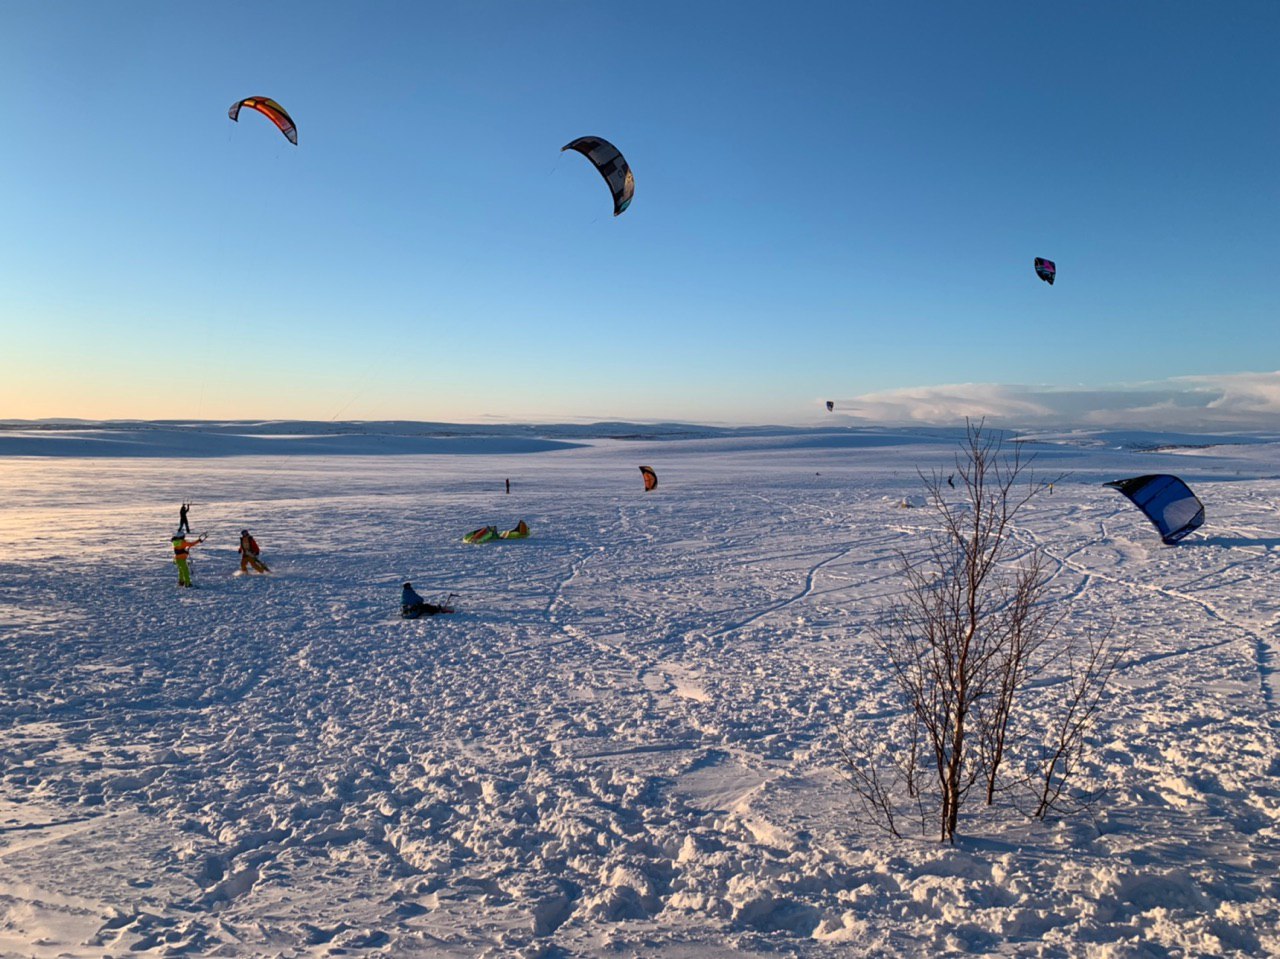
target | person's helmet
[
  {"x": 408, "y": 585},
  {"x": 244, "y": 532}
]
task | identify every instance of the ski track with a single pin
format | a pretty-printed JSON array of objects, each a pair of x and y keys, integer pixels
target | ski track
[
  {"x": 1258, "y": 637},
  {"x": 783, "y": 604},
  {"x": 623, "y": 743}
]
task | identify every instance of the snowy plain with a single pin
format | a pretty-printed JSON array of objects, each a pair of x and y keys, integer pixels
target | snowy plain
[{"x": 626, "y": 741}]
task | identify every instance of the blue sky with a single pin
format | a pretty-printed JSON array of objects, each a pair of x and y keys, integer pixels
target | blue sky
[{"x": 832, "y": 201}]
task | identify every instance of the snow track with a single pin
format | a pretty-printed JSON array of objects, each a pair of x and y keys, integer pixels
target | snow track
[{"x": 623, "y": 743}]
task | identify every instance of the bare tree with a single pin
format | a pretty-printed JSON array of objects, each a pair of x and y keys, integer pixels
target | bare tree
[
  {"x": 1030, "y": 621},
  {"x": 964, "y": 638},
  {"x": 1089, "y": 668},
  {"x": 876, "y": 776}
]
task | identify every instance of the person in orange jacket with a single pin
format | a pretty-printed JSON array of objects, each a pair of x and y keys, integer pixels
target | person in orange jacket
[
  {"x": 182, "y": 548},
  {"x": 249, "y": 554}
]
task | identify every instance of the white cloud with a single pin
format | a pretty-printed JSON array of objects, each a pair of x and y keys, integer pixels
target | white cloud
[{"x": 1229, "y": 401}]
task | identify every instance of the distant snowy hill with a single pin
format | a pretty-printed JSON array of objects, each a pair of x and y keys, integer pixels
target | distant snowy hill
[{"x": 188, "y": 438}]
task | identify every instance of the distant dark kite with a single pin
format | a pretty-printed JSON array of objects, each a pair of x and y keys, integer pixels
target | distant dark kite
[{"x": 609, "y": 161}]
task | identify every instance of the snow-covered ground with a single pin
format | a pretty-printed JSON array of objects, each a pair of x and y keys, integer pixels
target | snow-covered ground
[{"x": 625, "y": 743}]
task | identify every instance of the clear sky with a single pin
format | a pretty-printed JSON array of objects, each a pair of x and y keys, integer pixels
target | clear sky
[{"x": 833, "y": 201}]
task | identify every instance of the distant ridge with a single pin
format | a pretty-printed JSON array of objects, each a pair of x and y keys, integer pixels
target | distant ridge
[{"x": 197, "y": 438}]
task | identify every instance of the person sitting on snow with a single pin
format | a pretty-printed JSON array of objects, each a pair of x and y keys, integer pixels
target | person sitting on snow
[
  {"x": 412, "y": 605},
  {"x": 249, "y": 554}
]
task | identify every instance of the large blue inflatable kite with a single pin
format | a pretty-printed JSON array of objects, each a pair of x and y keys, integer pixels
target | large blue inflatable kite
[{"x": 1167, "y": 501}]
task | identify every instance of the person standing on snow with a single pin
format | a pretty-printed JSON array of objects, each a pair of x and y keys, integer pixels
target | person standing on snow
[
  {"x": 249, "y": 554},
  {"x": 183, "y": 525},
  {"x": 182, "y": 548}
]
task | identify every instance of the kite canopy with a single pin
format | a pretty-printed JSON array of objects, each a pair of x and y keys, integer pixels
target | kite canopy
[
  {"x": 1167, "y": 501},
  {"x": 1046, "y": 270},
  {"x": 831, "y": 405},
  {"x": 650, "y": 478},
  {"x": 609, "y": 161},
  {"x": 481, "y": 535},
  {"x": 272, "y": 111},
  {"x": 521, "y": 531}
]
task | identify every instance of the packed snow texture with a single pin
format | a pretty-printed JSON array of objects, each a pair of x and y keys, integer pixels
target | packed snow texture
[{"x": 626, "y": 740}]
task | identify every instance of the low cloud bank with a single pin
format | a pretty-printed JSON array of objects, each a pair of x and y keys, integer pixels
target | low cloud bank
[{"x": 1233, "y": 401}]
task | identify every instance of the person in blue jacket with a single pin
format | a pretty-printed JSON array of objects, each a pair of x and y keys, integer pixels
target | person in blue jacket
[{"x": 412, "y": 605}]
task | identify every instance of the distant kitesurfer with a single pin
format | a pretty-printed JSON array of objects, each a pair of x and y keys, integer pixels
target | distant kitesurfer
[
  {"x": 182, "y": 548},
  {"x": 412, "y": 605},
  {"x": 183, "y": 525},
  {"x": 951, "y": 480},
  {"x": 249, "y": 554}
]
